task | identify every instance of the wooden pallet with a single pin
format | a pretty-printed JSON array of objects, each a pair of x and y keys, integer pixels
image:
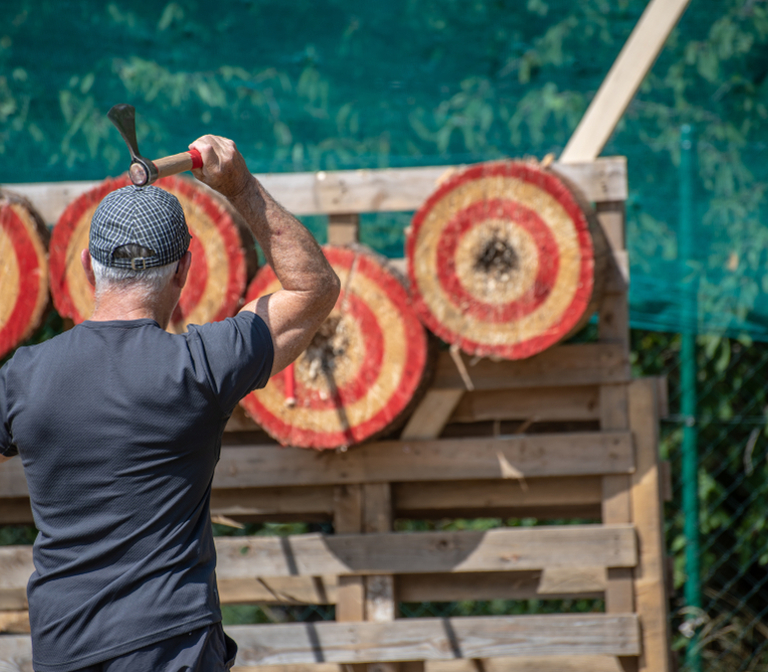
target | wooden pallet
[{"x": 565, "y": 434}]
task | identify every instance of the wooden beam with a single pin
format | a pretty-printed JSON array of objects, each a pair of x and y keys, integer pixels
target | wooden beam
[
  {"x": 623, "y": 80},
  {"x": 513, "y": 457},
  {"x": 12, "y": 481},
  {"x": 353, "y": 191},
  {"x": 347, "y": 521},
  {"x": 500, "y": 549},
  {"x": 282, "y": 590},
  {"x": 560, "y": 497},
  {"x": 237, "y": 588},
  {"x": 14, "y": 622},
  {"x": 343, "y": 228},
  {"x": 414, "y": 639},
  {"x": 648, "y": 514},
  {"x": 561, "y": 365},
  {"x": 529, "y": 664},
  {"x": 551, "y": 583},
  {"x": 545, "y": 404},
  {"x": 520, "y": 664},
  {"x": 313, "y": 503},
  {"x": 412, "y": 500},
  {"x": 437, "y": 639},
  {"x": 432, "y": 414}
]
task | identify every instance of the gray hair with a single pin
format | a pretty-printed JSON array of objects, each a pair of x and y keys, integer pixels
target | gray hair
[{"x": 150, "y": 282}]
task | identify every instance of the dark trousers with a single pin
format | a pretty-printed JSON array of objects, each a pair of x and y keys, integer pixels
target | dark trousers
[{"x": 207, "y": 649}]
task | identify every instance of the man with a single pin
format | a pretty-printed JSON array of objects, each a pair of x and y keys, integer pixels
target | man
[{"x": 119, "y": 423}]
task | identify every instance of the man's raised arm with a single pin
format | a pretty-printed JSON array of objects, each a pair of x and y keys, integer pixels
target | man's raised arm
[{"x": 310, "y": 286}]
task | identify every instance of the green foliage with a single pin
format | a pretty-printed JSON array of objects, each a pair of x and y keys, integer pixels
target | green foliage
[
  {"x": 732, "y": 420},
  {"x": 17, "y": 535}
]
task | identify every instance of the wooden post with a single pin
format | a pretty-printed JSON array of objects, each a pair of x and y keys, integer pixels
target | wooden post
[
  {"x": 614, "y": 414},
  {"x": 343, "y": 229},
  {"x": 348, "y": 519},
  {"x": 380, "y": 600},
  {"x": 648, "y": 515}
]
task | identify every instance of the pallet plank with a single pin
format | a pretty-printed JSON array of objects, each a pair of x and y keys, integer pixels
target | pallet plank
[
  {"x": 14, "y": 622},
  {"x": 521, "y": 664},
  {"x": 546, "y": 404},
  {"x": 560, "y": 365},
  {"x": 354, "y": 191},
  {"x": 414, "y": 639},
  {"x": 437, "y": 639},
  {"x": 559, "y": 497},
  {"x": 546, "y": 583},
  {"x": 426, "y": 552},
  {"x": 647, "y": 506},
  {"x": 414, "y": 500},
  {"x": 566, "y": 454},
  {"x": 313, "y": 555},
  {"x": 555, "y": 583},
  {"x": 432, "y": 414},
  {"x": 550, "y": 583}
]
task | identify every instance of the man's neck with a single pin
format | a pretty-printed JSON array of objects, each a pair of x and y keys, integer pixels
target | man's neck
[{"x": 121, "y": 305}]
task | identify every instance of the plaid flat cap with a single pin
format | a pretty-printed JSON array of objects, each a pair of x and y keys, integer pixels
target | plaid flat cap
[{"x": 146, "y": 216}]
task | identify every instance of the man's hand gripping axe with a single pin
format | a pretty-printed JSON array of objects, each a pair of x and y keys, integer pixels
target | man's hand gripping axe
[{"x": 143, "y": 171}]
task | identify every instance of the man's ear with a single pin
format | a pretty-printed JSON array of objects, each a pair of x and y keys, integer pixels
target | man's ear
[
  {"x": 85, "y": 260},
  {"x": 180, "y": 277}
]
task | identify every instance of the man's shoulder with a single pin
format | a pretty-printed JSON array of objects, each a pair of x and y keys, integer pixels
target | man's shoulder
[
  {"x": 27, "y": 353},
  {"x": 244, "y": 322}
]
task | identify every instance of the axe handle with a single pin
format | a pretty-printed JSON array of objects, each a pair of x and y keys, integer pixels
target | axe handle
[
  {"x": 141, "y": 175},
  {"x": 178, "y": 163}
]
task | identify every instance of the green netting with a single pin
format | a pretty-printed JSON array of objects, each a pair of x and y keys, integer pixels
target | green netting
[{"x": 325, "y": 84}]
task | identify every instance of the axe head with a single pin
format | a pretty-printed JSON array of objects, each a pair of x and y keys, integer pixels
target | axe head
[{"x": 142, "y": 171}]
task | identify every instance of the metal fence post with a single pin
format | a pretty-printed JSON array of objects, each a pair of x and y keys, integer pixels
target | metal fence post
[{"x": 688, "y": 372}]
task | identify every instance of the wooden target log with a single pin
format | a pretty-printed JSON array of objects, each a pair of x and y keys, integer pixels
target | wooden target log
[
  {"x": 23, "y": 271},
  {"x": 505, "y": 259},
  {"x": 221, "y": 255},
  {"x": 364, "y": 369}
]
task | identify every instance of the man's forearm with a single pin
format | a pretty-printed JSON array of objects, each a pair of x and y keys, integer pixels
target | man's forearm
[{"x": 289, "y": 248}]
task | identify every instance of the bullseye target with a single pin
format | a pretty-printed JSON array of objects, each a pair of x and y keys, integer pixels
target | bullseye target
[
  {"x": 23, "y": 271},
  {"x": 502, "y": 260},
  {"x": 364, "y": 368},
  {"x": 217, "y": 277}
]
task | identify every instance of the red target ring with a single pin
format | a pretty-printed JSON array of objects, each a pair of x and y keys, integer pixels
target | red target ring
[
  {"x": 217, "y": 277},
  {"x": 23, "y": 271},
  {"x": 362, "y": 371},
  {"x": 501, "y": 260}
]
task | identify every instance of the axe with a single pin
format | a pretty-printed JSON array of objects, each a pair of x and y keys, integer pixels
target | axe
[{"x": 143, "y": 171}]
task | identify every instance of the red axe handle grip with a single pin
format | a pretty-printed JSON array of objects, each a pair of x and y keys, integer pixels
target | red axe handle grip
[{"x": 178, "y": 163}]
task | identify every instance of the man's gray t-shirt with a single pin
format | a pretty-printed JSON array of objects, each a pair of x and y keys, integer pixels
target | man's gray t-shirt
[{"x": 119, "y": 425}]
